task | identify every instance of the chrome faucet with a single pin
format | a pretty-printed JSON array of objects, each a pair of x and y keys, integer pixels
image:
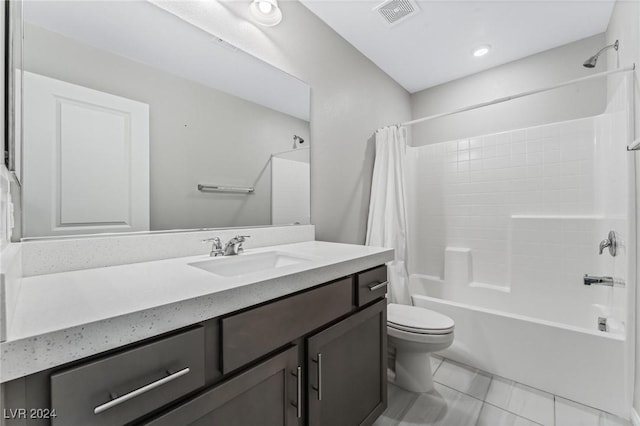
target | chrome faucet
[
  {"x": 610, "y": 242},
  {"x": 234, "y": 246},
  {"x": 216, "y": 247}
]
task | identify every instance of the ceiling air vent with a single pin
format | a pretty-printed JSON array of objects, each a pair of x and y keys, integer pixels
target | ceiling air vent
[{"x": 395, "y": 11}]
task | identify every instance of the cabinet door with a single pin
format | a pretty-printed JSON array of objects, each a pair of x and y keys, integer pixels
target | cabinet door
[
  {"x": 267, "y": 394},
  {"x": 347, "y": 370}
]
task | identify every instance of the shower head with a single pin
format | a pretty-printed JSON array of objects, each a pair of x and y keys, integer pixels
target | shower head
[
  {"x": 591, "y": 62},
  {"x": 297, "y": 140}
]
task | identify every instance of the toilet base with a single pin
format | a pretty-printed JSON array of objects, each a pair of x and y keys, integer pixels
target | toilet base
[{"x": 413, "y": 371}]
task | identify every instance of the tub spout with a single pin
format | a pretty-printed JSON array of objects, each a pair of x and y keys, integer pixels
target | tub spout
[
  {"x": 606, "y": 281},
  {"x": 589, "y": 280}
]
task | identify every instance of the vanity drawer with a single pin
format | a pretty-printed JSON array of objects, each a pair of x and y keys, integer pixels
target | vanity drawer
[
  {"x": 371, "y": 285},
  {"x": 122, "y": 387},
  {"x": 248, "y": 335}
]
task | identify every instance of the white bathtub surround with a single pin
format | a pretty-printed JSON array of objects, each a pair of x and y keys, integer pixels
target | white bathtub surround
[
  {"x": 290, "y": 187},
  {"x": 465, "y": 194},
  {"x": 48, "y": 256},
  {"x": 387, "y": 222},
  {"x": 635, "y": 417},
  {"x": 505, "y": 226},
  {"x": 67, "y": 316},
  {"x": 464, "y": 395}
]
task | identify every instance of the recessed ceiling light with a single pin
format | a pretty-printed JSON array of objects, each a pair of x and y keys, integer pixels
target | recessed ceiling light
[
  {"x": 266, "y": 12},
  {"x": 481, "y": 50}
]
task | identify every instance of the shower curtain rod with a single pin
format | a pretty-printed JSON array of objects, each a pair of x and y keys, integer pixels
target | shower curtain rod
[{"x": 519, "y": 95}]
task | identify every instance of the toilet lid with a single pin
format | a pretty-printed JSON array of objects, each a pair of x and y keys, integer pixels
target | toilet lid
[{"x": 418, "y": 320}]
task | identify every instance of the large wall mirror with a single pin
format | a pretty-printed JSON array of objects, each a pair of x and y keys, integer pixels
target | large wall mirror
[{"x": 135, "y": 120}]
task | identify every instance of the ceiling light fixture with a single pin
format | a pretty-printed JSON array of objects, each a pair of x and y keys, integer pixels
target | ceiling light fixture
[
  {"x": 266, "y": 12},
  {"x": 481, "y": 50}
]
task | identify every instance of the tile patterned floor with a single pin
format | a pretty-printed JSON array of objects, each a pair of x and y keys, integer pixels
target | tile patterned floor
[{"x": 465, "y": 396}]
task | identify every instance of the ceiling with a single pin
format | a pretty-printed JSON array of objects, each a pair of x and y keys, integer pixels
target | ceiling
[{"x": 435, "y": 45}]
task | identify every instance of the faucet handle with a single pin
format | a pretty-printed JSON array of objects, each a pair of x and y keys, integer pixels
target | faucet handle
[
  {"x": 610, "y": 242},
  {"x": 241, "y": 239},
  {"x": 216, "y": 247},
  {"x": 214, "y": 240}
]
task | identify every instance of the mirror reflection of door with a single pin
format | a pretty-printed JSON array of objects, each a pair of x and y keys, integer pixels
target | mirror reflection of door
[{"x": 80, "y": 146}]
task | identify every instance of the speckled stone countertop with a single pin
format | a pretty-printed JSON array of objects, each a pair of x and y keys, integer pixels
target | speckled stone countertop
[{"x": 67, "y": 316}]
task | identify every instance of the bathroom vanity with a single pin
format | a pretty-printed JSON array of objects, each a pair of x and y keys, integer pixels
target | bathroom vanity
[{"x": 298, "y": 344}]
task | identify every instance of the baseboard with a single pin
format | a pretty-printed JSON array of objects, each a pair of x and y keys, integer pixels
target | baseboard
[{"x": 635, "y": 418}]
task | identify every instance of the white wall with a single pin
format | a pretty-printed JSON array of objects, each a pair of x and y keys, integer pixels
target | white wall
[
  {"x": 552, "y": 66},
  {"x": 197, "y": 134},
  {"x": 625, "y": 27},
  {"x": 350, "y": 98}
]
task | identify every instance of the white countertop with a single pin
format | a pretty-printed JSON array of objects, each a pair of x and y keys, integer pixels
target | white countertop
[{"x": 67, "y": 316}]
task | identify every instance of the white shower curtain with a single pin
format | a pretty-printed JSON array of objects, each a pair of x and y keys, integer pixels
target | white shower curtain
[{"x": 387, "y": 224}]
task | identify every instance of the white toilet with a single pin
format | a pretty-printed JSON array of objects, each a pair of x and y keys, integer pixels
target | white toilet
[{"x": 415, "y": 332}]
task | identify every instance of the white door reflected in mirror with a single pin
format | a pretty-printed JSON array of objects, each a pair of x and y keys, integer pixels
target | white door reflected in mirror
[{"x": 80, "y": 146}]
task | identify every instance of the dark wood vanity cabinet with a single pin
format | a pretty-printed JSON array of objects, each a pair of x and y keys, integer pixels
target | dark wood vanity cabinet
[
  {"x": 347, "y": 370},
  {"x": 317, "y": 358}
]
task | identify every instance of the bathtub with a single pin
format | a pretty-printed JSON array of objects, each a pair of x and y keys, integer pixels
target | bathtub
[{"x": 582, "y": 364}]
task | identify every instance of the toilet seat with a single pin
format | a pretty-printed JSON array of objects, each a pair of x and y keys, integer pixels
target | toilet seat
[{"x": 417, "y": 320}]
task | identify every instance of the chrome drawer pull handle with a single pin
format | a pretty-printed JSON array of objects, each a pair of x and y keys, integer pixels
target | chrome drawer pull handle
[
  {"x": 319, "y": 388},
  {"x": 298, "y": 403},
  {"x": 146, "y": 388},
  {"x": 376, "y": 286}
]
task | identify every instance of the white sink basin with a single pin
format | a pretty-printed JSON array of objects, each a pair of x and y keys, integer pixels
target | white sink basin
[{"x": 247, "y": 263}]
